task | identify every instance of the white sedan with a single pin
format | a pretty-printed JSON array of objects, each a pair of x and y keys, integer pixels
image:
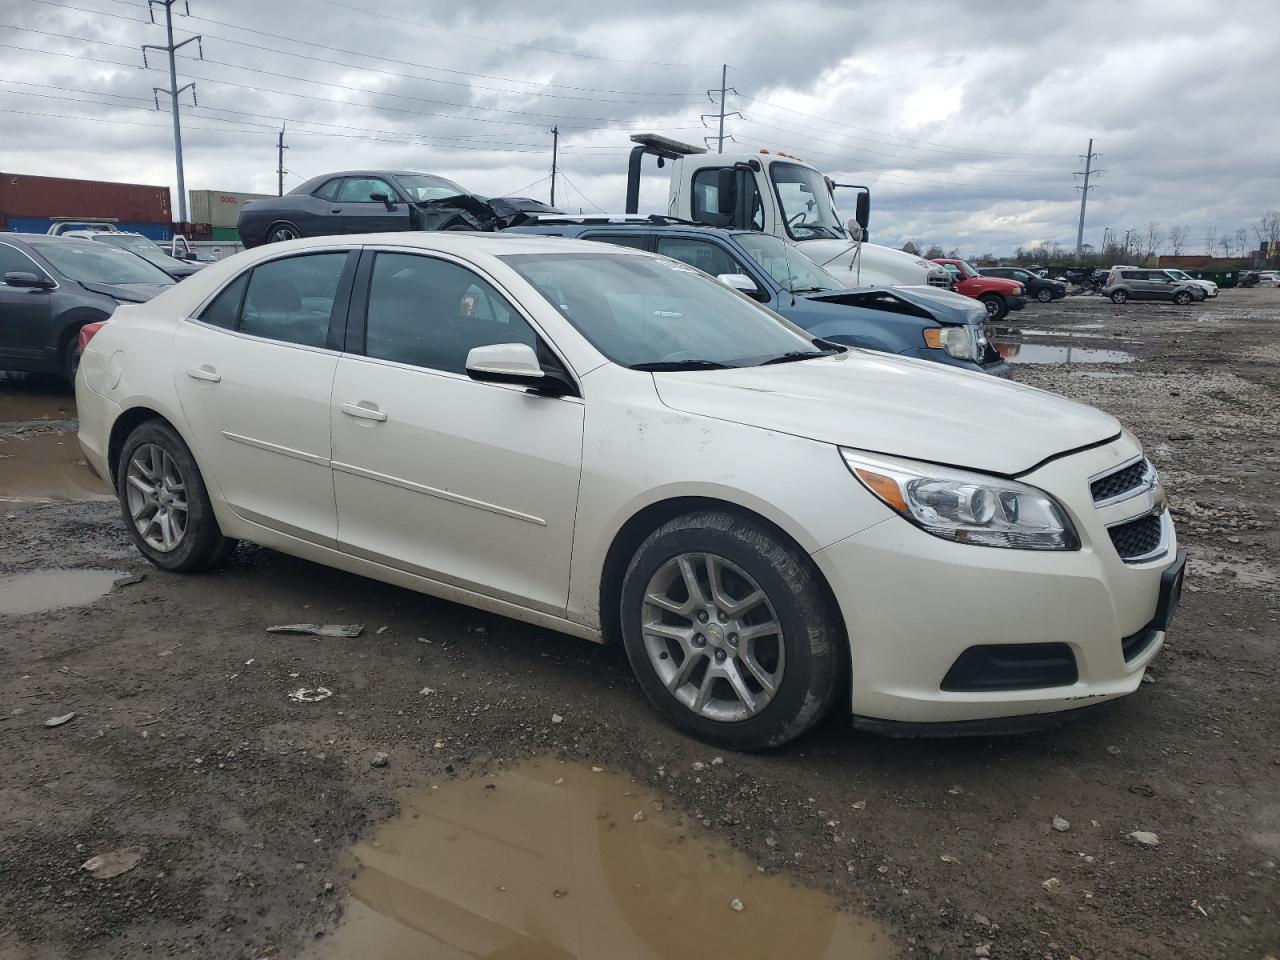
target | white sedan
[{"x": 614, "y": 445}]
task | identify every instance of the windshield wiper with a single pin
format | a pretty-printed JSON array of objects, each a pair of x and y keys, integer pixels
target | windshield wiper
[
  {"x": 811, "y": 289},
  {"x": 658, "y": 366},
  {"x": 794, "y": 355}
]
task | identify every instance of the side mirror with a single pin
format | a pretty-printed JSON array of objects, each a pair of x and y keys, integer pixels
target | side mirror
[
  {"x": 382, "y": 198},
  {"x": 31, "y": 281},
  {"x": 515, "y": 363},
  {"x": 738, "y": 281},
  {"x": 862, "y": 210}
]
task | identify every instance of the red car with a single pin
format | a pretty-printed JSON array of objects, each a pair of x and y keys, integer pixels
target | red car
[{"x": 998, "y": 295}]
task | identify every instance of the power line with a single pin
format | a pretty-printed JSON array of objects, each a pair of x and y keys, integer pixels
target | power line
[
  {"x": 507, "y": 43},
  {"x": 692, "y": 97}
]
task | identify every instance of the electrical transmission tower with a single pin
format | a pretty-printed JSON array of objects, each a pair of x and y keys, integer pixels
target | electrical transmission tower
[
  {"x": 723, "y": 92},
  {"x": 1084, "y": 189},
  {"x": 281, "y": 147},
  {"x": 173, "y": 89}
]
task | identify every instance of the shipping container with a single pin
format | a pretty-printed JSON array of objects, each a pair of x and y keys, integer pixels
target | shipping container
[
  {"x": 27, "y": 196},
  {"x": 226, "y": 235},
  {"x": 155, "y": 231},
  {"x": 219, "y": 208}
]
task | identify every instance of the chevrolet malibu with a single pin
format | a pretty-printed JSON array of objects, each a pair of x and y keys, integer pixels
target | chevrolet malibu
[{"x": 614, "y": 445}]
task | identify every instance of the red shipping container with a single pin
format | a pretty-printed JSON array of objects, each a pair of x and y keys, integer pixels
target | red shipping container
[{"x": 22, "y": 195}]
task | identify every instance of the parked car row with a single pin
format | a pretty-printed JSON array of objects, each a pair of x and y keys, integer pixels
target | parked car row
[{"x": 1260, "y": 278}]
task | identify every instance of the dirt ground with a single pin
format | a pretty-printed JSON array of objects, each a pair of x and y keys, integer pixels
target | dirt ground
[{"x": 186, "y": 742}]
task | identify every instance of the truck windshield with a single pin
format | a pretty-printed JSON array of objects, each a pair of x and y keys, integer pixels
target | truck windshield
[
  {"x": 793, "y": 271},
  {"x": 649, "y": 313},
  {"x": 423, "y": 188},
  {"x": 806, "y": 203},
  {"x": 90, "y": 262}
]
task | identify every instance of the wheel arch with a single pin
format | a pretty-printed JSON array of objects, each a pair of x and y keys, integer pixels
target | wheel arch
[
  {"x": 128, "y": 421},
  {"x": 652, "y": 516}
]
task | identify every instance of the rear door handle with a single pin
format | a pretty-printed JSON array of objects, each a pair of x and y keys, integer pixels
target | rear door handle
[
  {"x": 364, "y": 411},
  {"x": 204, "y": 372},
  {"x": 335, "y": 209}
]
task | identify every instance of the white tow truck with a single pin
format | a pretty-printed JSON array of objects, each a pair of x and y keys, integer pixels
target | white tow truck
[{"x": 779, "y": 194}]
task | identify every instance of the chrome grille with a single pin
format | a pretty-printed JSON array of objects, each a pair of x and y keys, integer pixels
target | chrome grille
[{"x": 1122, "y": 481}]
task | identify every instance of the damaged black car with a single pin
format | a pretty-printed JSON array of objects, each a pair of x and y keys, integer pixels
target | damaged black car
[{"x": 377, "y": 201}]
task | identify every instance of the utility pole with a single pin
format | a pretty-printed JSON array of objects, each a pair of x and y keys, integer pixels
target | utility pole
[
  {"x": 173, "y": 89},
  {"x": 723, "y": 92},
  {"x": 1088, "y": 171},
  {"x": 280, "y": 149},
  {"x": 555, "y": 150}
]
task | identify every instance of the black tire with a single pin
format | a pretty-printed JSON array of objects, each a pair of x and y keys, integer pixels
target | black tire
[
  {"x": 282, "y": 232},
  {"x": 1119, "y": 296},
  {"x": 1044, "y": 294},
  {"x": 811, "y": 634},
  {"x": 202, "y": 545},
  {"x": 997, "y": 306},
  {"x": 1182, "y": 298},
  {"x": 71, "y": 358}
]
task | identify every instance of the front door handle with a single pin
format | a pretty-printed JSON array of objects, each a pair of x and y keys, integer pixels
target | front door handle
[
  {"x": 364, "y": 411},
  {"x": 335, "y": 209},
  {"x": 204, "y": 372}
]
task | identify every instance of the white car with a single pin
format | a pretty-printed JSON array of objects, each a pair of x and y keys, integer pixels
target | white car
[
  {"x": 1269, "y": 278},
  {"x": 611, "y": 444},
  {"x": 1181, "y": 276}
]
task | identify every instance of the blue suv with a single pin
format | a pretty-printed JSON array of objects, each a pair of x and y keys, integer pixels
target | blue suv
[{"x": 922, "y": 322}]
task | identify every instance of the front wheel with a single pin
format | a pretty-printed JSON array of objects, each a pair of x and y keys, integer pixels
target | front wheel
[
  {"x": 1044, "y": 295},
  {"x": 165, "y": 503},
  {"x": 1182, "y": 298},
  {"x": 1119, "y": 296},
  {"x": 729, "y": 631},
  {"x": 997, "y": 308}
]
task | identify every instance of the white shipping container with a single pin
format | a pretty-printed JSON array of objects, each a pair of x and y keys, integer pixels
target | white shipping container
[{"x": 219, "y": 208}]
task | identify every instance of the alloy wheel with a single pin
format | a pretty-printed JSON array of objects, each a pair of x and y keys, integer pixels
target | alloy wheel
[
  {"x": 713, "y": 637},
  {"x": 281, "y": 234},
  {"x": 157, "y": 497}
]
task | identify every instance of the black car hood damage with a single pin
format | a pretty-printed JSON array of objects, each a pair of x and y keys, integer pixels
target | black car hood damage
[
  {"x": 126, "y": 292},
  {"x": 471, "y": 212}
]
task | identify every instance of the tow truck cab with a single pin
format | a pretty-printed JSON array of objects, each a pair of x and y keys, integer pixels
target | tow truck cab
[{"x": 779, "y": 194}]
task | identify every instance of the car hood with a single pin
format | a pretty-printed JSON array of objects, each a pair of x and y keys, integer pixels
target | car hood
[
  {"x": 897, "y": 406},
  {"x": 128, "y": 292},
  {"x": 945, "y": 306}
]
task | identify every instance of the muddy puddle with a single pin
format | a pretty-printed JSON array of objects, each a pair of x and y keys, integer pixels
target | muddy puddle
[
  {"x": 27, "y": 397},
  {"x": 552, "y": 860},
  {"x": 44, "y": 467},
  {"x": 1242, "y": 573},
  {"x": 43, "y": 590},
  {"x": 1041, "y": 353}
]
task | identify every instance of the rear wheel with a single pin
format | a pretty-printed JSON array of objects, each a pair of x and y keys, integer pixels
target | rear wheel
[
  {"x": 165, "y": 503},
  {"x": 282, "y": 232},
  {"x": 1119, "y": 296},
  {"x": 1182, "y": 298},
  {"x": 997, "y": 308},
  {"x": 729, "y": 631},
  {"x": 71, "y": 358}
]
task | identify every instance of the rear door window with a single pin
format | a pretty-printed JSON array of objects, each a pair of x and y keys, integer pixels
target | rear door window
[
  {"x": 330, "y": 190},
  {"x": 224, "y": 311},
  {"x": 292, "y": 300}
]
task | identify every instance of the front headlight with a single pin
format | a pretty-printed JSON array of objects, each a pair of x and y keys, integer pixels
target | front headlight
[
  {"x": 965, "y": 507},
  {"x": 963, "y": 342}
]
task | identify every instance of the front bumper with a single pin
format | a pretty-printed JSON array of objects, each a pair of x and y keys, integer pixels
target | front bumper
[
  {"x": 913, "y": 604},
  {"x": 998, "y": 368}
]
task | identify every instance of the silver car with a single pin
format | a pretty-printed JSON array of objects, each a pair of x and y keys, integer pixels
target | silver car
[{"x": 1125, "y": 285}]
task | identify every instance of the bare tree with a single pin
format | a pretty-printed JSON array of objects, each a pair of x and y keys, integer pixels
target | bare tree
[
  {"x": 1210, "y": 240},
  {"x": 933, "y": 252},
  {"x": 1227, "y": 242},
  {"x": 1242, "y": 242},
  {"x": 1178, "y": 239},
  {"x": 1268, "y": 229},
  {"x": 1154, "y": 239}
]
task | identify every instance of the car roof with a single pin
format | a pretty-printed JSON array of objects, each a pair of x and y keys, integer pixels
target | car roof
[
  {"x": 460, "y": 241},
  {"x": 548, "y": 224},
  {"x": 45, "y": 240}
]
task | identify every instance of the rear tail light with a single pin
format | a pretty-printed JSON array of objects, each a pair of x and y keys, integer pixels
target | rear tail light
[{"x": 87, "y": 332}]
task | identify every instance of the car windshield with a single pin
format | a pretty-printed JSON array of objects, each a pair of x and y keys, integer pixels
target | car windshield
[
  {"x": 964, "y": 268},
  {"x": 793, "y": 271},
  {"x": 422, "y": 188},
  {"x": 806, "y": 203},
  {"x": 98, "y": 263},
  {"x": 139, "y": 245},
  {"x": 650, "y": 313}
]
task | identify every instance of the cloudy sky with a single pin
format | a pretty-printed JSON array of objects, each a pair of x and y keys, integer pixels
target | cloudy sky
[{"x": 967, "y": 119}]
